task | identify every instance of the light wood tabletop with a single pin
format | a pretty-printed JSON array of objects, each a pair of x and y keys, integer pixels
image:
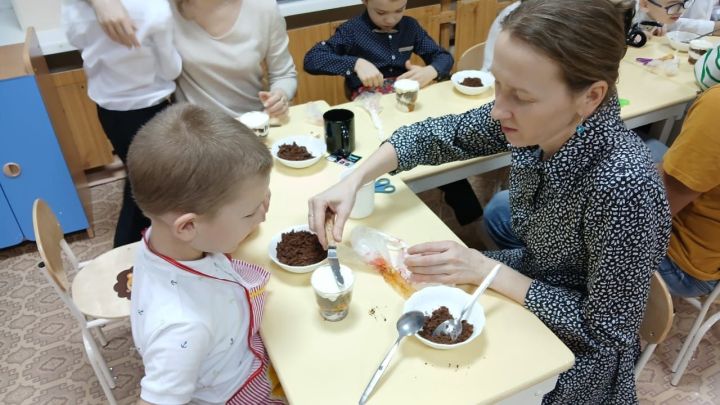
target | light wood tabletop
[
  {"x": 658, "y": 47},
  {"x": 321, "y": 362},
  {"x": 651, "y": 99}
]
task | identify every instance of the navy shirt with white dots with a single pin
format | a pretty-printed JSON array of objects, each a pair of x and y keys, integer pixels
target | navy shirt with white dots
[{"x": 388, "y": 51}]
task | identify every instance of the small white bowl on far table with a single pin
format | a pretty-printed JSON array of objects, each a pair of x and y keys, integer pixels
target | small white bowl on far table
[
  {"x": 488, "y": 81},
  {"x": 315, "y": 146},
  {"x": 680, "y": 40}
]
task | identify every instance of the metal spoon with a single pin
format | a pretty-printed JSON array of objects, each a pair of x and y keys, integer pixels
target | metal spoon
[
  {"x": 453, "y": 327},
  {"x": 700, "y": 36},
  {"x": 408, "y": 324}
]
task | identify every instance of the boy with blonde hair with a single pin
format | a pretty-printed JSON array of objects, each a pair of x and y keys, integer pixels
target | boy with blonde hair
[{"x": 202, "y": 179}]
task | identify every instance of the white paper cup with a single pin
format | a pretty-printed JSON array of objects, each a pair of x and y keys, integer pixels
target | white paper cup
[
  {"x": 406, "y": 94},
  {"x": 364, "y": 199},
  {"x": 333, "y": 300},
  {"x": 258, "y": 122}
]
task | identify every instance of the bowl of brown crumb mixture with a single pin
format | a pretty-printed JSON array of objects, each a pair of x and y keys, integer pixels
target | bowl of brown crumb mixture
[
  {"x": 472, "y": 82},
  {"x": 297, "y": 250},
  {"x": 298, "y": 152},
  {"x": 440, "y": 303}
]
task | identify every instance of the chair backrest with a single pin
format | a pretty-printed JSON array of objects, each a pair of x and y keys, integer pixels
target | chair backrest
[
  {"x": 659, "y": 312},
  {"x": 472, "y": 58},
  {"x": 48, "y": 236},
  {"x": 51, "y": 245}
]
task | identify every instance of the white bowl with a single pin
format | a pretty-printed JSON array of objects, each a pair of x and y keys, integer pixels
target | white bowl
[
  {"x": 675, "y": 39},
  {"x": 315, "y": 146},
  {"x": 487, "y": 79},
  {"x": 272, "y": 251},
  {"x": 431, "y": 298}
]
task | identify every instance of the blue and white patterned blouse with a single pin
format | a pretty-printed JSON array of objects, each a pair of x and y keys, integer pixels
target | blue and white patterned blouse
[
  {"x": 595, "y": 222},
  {"x": 358, "y": 37}
]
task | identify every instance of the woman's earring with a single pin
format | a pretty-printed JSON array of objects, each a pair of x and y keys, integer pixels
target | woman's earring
[{"x": 580, "y": 128}]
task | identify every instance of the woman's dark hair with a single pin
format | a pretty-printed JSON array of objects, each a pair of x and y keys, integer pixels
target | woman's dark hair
[{"x": 586, "y": 38}]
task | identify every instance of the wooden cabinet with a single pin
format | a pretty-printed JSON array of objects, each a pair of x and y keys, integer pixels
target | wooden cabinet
[
  {"x": 33, "y": 159},
  {"x": 94, "y": 149}
]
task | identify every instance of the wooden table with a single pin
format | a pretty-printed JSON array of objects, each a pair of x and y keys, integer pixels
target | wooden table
[
  {"x": 516, "y": 358},
  {"x": 658, "y": 47},
  {"x": 677, "y": 100},
  {"x": 652, "y": 99}
]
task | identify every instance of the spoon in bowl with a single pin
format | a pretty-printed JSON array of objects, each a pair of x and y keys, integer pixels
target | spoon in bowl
[
  {"x": 453, "y": 327},
  {"x": 408, "y": 324}
]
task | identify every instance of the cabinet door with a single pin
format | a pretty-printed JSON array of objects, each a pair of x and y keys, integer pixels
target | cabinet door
[
  {"x": 28, "y": 140},
  {"x": 9, "y": 229},
  {"x": 94, "y": 149}
]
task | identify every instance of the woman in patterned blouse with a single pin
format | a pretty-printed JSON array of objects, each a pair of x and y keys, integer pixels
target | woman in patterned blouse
[{"x": 585, "y": 197}]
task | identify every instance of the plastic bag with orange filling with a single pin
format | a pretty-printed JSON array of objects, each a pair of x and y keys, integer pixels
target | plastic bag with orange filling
[{"x": 386, "y": 254}]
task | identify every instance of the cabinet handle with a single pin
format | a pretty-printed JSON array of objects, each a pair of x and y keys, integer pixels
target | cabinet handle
[{"x": 11, "y": 169}]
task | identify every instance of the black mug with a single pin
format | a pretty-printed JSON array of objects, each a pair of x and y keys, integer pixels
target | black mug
[{"x": 339, "y": 131}]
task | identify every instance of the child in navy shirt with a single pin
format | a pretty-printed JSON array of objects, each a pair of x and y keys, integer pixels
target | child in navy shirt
[{"x": 374, "y": 49}]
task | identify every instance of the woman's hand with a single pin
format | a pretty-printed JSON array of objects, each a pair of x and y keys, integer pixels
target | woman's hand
[
  {"x": 451, "y": 263},
  {"x": 275, "y": 102},
  {"x": 338, "y": 200},
  {"x": 368, "y": 74},
  {"x": 115, "y": 21},
  {"x": 446, "y": 262},
  {"x": 421, "y": 74}
]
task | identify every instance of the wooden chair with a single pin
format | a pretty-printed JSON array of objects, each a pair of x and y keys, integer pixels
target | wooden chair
[
  {"x": 657, "y": 322},
  {"x": 93, "y": 302},
  {"x": 697, "y": 332},
  {"x": 472, "y": 58}
]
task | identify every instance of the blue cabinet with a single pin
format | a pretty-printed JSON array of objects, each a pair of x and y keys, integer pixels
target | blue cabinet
[
  {"x": 10, "y": 233},
  {"x": 32, "y": 161}
]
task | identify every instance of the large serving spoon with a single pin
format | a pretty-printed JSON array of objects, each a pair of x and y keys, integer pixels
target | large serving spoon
[
  {"x": 408, "y": 324},
  {"x": 453, "y": 327}
]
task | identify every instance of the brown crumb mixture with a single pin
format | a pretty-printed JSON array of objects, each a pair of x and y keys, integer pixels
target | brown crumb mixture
[
  {"x": 294, "y": 152},
  {"x": 300, "y": 248},
  {"x": 472, "y": 82},
  {"x": 439, "y": 316}
]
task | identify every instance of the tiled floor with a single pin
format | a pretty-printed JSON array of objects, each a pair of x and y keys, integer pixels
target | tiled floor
[{"x": 42, "y": 361}]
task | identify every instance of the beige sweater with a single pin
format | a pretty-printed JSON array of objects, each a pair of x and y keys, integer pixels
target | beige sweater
[{"x": 226, "y": 72}]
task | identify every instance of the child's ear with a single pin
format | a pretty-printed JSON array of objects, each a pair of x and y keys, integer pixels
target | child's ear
[{"x": 184, "y": 227}]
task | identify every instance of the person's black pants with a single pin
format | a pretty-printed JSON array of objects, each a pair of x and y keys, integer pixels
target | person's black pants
[
  {"x": 120, "y": 128},
  {"x": 461, "y": 198}
]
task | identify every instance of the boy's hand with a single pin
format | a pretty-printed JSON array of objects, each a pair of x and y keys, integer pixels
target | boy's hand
[
  {"x": 368, "y": 74},
  {"x": 422, "y": 74},
  {"x": 115, "y": 21},
  {"x": 275, "y": 102}
]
